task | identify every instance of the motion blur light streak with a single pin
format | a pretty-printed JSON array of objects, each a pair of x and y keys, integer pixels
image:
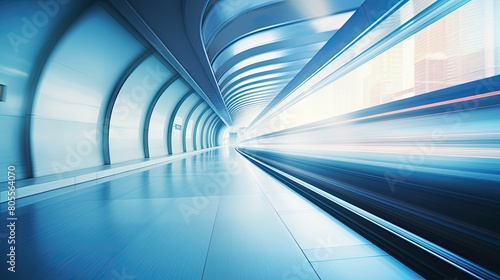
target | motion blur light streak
[{"x": 250, "y": 139}]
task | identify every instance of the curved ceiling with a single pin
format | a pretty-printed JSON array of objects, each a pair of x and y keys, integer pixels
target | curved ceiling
[
  {"x": 255, "y": 48},
  {"x": 238, "y": 54}
]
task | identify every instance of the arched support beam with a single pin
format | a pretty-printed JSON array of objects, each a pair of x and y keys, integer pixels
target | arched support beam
[
  {"x": 217, "y": 133},
  {"x": 209, "y": 119},
  {"x": 149, "y": 113},
  {"x": 207, "y": 131},
  {"x": 34, "y": 80},
  {"x": 111, "y": 103},
  {"x": 186, "y": 123},
  {"x": 211, "y": 134},
  {"x": 172, "y": 119}
]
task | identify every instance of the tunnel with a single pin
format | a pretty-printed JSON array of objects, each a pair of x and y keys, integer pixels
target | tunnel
[{"x": 249, "y": 139}]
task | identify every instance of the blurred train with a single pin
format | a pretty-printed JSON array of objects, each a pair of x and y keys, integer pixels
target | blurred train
[{"x": 429, "y": 164}]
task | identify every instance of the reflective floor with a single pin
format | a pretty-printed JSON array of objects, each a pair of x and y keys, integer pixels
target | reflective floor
[{"x": 209, "y": 216}]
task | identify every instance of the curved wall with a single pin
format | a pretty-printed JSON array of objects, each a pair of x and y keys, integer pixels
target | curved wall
[{"x": 81, "y": 89}]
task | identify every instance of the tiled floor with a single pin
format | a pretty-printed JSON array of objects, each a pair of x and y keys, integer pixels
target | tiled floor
[{"x": 210, "y": 216}]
